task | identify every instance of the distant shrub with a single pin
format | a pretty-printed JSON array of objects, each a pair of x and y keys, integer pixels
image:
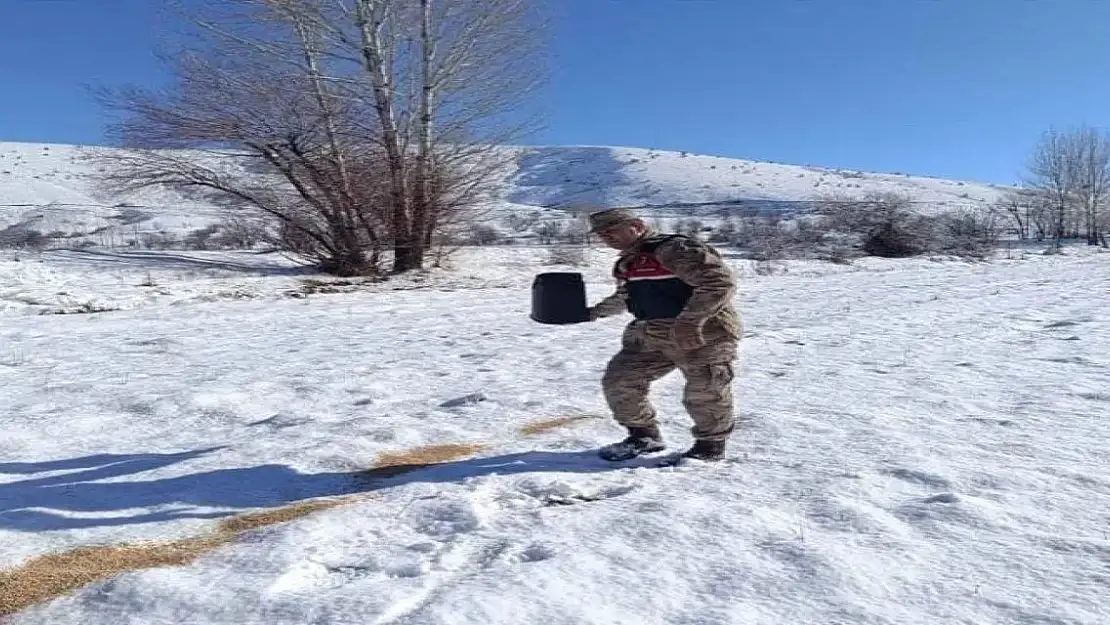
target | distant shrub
[
  {"x": 549, "y": 230},
  {"x": 202, "y": 238},
  {"x": 885, "y": 225},
  {"x": 159, "y": 240},
  {"x": 23, "y": 238},
  {"x": 240, "y": 233},
  {"x": 483, "y": 234},
  {"x": 129, "y": 215},
  {"x": 523, "y": 222}
]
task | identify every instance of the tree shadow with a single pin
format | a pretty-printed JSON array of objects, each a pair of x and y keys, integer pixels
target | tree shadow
[
  {"x": 45, "y": 504},
  {"x": 170, "y": 260}
]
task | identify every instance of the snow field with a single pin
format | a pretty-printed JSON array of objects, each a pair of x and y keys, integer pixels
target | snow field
[{"x": 919, "y": 442}]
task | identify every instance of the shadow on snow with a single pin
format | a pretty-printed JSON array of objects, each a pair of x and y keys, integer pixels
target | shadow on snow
[{"x": 45, "y": 503}]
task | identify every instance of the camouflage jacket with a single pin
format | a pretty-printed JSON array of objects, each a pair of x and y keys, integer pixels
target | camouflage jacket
[{"x": 668, "y": 278}]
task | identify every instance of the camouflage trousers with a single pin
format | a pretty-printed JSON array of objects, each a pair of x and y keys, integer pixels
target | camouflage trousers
[{"x": 647, "y": 354}]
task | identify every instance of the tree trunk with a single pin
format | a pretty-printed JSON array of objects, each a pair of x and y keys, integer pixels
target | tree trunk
[
  {"x": 370, "y": 20},
  {"x": 423, "y": 205}
]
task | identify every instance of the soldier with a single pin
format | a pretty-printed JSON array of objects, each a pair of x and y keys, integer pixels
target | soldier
[{"x": 680, "y": 292}]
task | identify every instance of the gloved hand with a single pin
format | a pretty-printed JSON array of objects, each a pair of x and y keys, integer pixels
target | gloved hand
[{"x": 686, "y": 335}]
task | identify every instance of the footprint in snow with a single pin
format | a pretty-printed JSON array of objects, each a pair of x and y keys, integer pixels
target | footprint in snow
[
  {"x": 444, "y": 519},
  {"x": 1062, "y": 324},
  {"x": 918, "y": 477},
  {"x": 989, "y": 421},
  {"x": 561, "y": 493},
  {"x": 797, "y": 555},
  {"x": 279, "y": 422},
  {"x": 467, "y": 400},
  {"x": 943, "y": 498}
]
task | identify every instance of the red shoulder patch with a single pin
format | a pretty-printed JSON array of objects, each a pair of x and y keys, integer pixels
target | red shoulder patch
[{"x": 644, "y": 266}]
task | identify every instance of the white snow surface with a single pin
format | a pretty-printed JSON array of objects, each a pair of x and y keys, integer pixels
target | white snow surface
[{"x": 919, "y": 442}]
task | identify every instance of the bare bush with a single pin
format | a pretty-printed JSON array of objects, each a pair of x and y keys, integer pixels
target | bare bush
[
  {"x": 484, "y": 234},
  {"x": 549, "y": 231},
  {"x": 201, "y": 238},
  {"x": 523, "y": 222},
  {"x": 240, "y": 232},
  {"x": 886, "y": 225},
  {"x": 159, "y": 241},
  {"x": 576, "y": 232},
  {"x": 21, "y": 237},
  {"x": 968, "y": 232},
  {"x": 1027, "y": 209},
  {"x": 769, "y": 236},
  {"x": 898, "y": 239},
  {"x": 883, "y": 224}
]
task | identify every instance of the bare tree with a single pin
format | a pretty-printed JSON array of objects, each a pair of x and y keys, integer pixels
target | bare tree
[
  {"x": 1092, "y": 178},
  {"x": 1071, "y": 168},
  {"x": 1053, "y": 169},
  {"x": 252, "y": 122},
  {"x": 357, "y": 126},
  {"x": 443, "y": 74}
]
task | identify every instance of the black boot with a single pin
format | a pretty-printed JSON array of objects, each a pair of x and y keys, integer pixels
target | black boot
[
  {"x": 708, "y": 451},
  {"x": 639, "y": 441}
]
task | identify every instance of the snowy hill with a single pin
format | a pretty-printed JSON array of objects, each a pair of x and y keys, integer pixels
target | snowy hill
[
  {"x": 47, "y": 188},
  {"x": 611, "y": 176},
  {"x": 228, "y": 443}
]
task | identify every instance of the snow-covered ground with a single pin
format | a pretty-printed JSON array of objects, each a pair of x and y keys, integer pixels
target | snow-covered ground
[{"x": 920, "y": 442}]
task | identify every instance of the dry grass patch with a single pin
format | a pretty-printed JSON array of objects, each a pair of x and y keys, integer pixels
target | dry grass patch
[
  {"x": 547, "y": 425},
  {"x": 398, "y": 462},
  {"x": 54, "y": 575}
]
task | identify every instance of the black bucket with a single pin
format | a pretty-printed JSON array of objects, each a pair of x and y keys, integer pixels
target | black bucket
[{"x": 559, "y": 298}]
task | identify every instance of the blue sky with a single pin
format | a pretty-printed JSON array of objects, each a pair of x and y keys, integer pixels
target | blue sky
[{"x": 953, "y": 88}]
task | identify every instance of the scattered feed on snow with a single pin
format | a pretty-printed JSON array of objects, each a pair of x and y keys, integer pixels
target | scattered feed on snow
[
  {"x": 57, "y": 574},
  {"x": 549, "y": 425},
  {"x": 397, "y": 462}
]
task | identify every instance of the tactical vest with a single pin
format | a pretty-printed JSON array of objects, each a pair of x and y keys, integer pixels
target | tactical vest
[{"x": 653, "y": 291}]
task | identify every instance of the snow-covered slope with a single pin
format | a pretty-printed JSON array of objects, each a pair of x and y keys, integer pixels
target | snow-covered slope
[
  {"x": 52, "y": 189},
  {"x": 919, "y": 443},
  {"x": 567, "y": 176},
  {"x": 49, "y": 188}
]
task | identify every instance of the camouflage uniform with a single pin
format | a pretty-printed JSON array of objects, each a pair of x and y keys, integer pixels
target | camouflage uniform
[{"x": 680, "y": 291}]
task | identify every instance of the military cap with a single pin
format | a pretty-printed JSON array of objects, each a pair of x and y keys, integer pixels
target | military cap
[{"x": 606, "y": 219}]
